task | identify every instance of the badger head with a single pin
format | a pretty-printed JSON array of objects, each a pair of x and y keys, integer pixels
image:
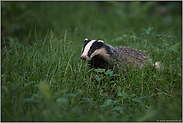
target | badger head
[{"x": 92, "y": 48}]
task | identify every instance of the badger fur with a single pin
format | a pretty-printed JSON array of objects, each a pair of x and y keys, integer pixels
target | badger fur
[{"x": 100, "y": 55}]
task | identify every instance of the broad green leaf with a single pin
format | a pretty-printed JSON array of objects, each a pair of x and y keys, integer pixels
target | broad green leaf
[
  {"x": 86, "y": 99},
  {"x": 174, "y": 50},
  {"x": 98, "y": 78},
  {"x": 29, "y": 100},
  {"x": 166, "y": 44},
  {"x": 119, "y": 38},
  {"x": 99, "y": 70},
  {"x": 144, "y": 40},
  {"x": 125, "y": 35},
  {"x": 118, "y": 108},
  {"x": 3, "y": 75},
  {"x": 62, "y": 100},
  {"x": 103, "y": 106},
  {"x": 179, "y": 74},
  {"x": 158, "y": 36},
  {"x": 149, "y": 30},
  {"x": 108, "y": 102},
  {"x": 71, "y": 94},
  {"x": 136, "y": 100},
  {"x": 123, "y": 95},
  {"x": 44, "y": 89},
  {"x": 132, "y": 95},
  {"x": 109, "y": 72},
  {"x": 176, "y": 47}
]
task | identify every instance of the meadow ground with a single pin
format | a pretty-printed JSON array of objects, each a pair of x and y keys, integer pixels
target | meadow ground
[{"x": 43, "y": 78}]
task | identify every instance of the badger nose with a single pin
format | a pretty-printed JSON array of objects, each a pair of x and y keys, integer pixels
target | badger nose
[{"x": 83, "y": 57}]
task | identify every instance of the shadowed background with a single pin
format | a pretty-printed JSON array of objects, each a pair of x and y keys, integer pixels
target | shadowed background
[{"x": 95, "y": 20}]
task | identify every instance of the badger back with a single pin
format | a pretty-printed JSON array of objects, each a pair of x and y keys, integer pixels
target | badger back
[
  {"x": 100, "y": 55},
  {"x": 134, "y": 57}
]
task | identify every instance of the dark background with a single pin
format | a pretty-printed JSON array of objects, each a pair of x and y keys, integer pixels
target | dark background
[{"x": 95, "y": 20}]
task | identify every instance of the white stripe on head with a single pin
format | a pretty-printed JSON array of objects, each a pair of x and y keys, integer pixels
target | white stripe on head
[
  {"x": 87, "y": 48},
  {"x": 102, "y": 52}
]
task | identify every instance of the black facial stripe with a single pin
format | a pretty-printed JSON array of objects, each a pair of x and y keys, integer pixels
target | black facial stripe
[
  {"x": 93, "y": 47},
  {"x": 86, "y": 42}
]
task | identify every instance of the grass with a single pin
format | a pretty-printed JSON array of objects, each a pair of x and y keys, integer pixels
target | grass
[{"x": 47, "y": 81}]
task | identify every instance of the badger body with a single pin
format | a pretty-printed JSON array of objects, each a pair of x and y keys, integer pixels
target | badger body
[{"x": 100, "y": 55}]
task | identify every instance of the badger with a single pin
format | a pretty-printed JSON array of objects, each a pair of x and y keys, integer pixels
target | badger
[{"x": 100, "y": 55}]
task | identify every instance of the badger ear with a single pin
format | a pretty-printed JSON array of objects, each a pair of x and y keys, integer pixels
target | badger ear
[
  {"x": 86, "y": 39},
  {"x": 101, "y": 42}
]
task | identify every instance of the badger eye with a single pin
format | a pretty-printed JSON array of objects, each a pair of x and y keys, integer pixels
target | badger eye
[{"x": 90, "y": 51}]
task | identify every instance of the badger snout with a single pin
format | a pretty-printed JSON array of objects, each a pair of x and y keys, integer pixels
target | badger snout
[{"x": 83, "y": 57}]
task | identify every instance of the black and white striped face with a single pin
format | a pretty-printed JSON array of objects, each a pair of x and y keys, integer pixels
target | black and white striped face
[{"x": 91, "y": 48}]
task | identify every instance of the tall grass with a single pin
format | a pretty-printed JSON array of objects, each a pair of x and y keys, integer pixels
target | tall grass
[{"x": 48, "y": 82}]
